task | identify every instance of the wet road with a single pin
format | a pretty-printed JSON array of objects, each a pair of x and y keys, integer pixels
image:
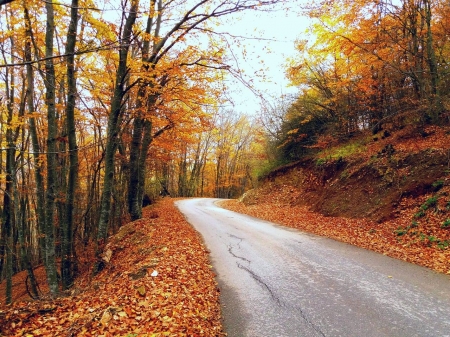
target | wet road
[{"x": 277, "y": 281}]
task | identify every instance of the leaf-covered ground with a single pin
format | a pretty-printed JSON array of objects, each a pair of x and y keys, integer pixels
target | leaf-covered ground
[
  {"x": 413, "y": 226},
  {"x": 425, "y": 244},
  {"x": 158, "y": 282}
]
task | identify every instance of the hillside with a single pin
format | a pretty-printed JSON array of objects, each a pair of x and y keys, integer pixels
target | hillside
[
  {"x": 157, "y": 281},
  {"x": 389, "y": 193}
]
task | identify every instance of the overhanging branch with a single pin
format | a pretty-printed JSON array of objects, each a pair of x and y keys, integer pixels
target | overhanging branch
[{"x": 80, "y": 52}]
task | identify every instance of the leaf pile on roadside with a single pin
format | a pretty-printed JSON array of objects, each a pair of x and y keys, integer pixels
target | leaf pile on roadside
[{"x": 158, "y": 283}]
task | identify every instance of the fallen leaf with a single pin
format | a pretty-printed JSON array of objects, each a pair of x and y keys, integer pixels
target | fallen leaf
[{"x": 141, "y": 290}]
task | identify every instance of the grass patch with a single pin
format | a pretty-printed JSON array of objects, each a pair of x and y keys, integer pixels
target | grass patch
[
  {"x": 345, "y": 150},
  {"x": 446, "y": 224}
]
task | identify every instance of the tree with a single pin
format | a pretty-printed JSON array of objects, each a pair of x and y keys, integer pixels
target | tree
[
  {"x": 68, "y": 222},
  {"x": 192, "y": 18},
  {"x": 50, "y": 85},
  {"x": 114, "y": 124},
  {"x": 92, "y": 103},
  {"x": 371, "y": 65}
]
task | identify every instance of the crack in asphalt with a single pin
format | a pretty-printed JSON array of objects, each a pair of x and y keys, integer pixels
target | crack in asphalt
[
  {"x": 256, "y": 277},
  {"x": 236, "y": 237},
  {"x": 230, "y": 248},
  {"x": 315, "y": 327},
  {"x": 261, "y": 282}
]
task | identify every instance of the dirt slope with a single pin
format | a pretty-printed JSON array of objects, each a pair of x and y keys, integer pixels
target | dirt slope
[{"x": 390, "y": 195}]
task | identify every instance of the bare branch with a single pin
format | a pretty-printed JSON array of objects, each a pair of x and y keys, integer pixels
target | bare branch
[{"x": 112, "y": 45}]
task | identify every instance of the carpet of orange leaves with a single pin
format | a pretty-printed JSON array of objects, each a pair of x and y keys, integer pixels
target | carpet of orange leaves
[
  {"x": 395, "y": 238},
  {"x": 423, "y": 240},
  {"x": 418, "y": 230},
  {"x": 157, "y": 283}
]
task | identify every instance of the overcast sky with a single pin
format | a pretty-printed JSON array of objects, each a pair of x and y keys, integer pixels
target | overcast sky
[
  {"x": 278, "y": 31},
  {"x": 269, "y": 36}
]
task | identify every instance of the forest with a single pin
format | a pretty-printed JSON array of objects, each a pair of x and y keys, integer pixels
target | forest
[{"x": 106, "y": 107}]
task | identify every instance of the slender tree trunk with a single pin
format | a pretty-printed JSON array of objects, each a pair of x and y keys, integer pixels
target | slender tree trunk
[
  {"x": 7, "y": 214},
  {"x": 142, "y": 125},
  {"x": 8, "y": 196},
  {"x": 50, "y": 252},
  {"x": 8, "y": 207},
  {"x": 146, "y": 141},
  {"x": 134, "y": 183},
  {"x": 38, "y": 165},
  {"x": 113, "y": 129},
  {"x": 22, "y": 225},
  {"x": 67, "y": 223},
  {"x": 436, "y": 102},
  {"x": 136, "y": 143}
]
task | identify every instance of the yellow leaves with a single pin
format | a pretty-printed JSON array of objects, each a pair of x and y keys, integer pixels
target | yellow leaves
[
  {"x": 141, "y": 290},
  {"x": 105, "y": 32}
]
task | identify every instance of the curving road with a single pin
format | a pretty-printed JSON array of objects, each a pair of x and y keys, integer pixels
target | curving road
[{"x": 277, "y": 281}]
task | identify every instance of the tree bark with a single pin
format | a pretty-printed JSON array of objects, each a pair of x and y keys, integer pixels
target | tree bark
[
  {"x": 113, "y": 128},
  {"x": 22, "y": 225},
  {"x": 8, "y": 206},
  {"x": 141, "y": 121},
  {"x": 67, "y": 223},
  {"x": 50, "y": 251},
  {"x": 38, "y": 168},
  {"x": 437, "y": 106}
]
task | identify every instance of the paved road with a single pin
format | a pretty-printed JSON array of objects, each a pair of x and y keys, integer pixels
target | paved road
[{"x": 278, "y": 282}]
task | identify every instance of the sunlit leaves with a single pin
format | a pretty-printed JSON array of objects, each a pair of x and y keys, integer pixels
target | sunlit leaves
[{"x": 368, "y": 62}]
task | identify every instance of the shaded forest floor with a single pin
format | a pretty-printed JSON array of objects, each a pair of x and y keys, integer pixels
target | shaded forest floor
[
  {"x": 157, "y": 283},
  {"x": 389, "y": 194}
]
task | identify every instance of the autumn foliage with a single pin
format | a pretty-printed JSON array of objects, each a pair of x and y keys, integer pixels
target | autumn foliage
[
  {"x": 156, "y": 281},
  {"x": 365, "y": 65},
  {"x": 104, "y": 106},
  {"x": 395, "y": 202}
]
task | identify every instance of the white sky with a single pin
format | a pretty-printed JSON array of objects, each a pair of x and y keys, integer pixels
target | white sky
[
  {"x": 279, "y": 31},
  {"x": 271, "y": 37}
]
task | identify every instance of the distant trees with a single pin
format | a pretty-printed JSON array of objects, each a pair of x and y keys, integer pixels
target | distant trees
[{"x": 222, "y": 160}]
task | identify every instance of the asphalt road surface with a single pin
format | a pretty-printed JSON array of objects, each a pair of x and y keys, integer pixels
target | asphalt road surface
[{"x": 277, "y": 281}]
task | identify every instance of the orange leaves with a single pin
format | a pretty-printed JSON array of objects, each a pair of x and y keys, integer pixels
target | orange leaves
[
  {"x": 359, "y": 232},
  {"x": 374, "y": 184},
  {"x": 128, "y": 297}
]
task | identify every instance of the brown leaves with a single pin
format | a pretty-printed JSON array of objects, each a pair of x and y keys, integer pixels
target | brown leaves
[
  {"x": 372, "y": 183},
  {"x": 379, "y": 237},
  {"x": 158, "y": 282}
]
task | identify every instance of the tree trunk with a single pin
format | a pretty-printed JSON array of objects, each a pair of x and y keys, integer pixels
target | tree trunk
[
  {"x": 67, "y": 223},
  {"x": 436, "y": 102},
  {"x": 113, "y": 129},
  {"x": 8, "y": 206},
  {"x": 141, "y": 122},
  {"x": 135, "y": 151},
  {"x": 8, "y": 194},
  {"x": 38, "y": 168},
  {"x": 22, "y": 225},
  {"x": 50, "y": 252}
]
